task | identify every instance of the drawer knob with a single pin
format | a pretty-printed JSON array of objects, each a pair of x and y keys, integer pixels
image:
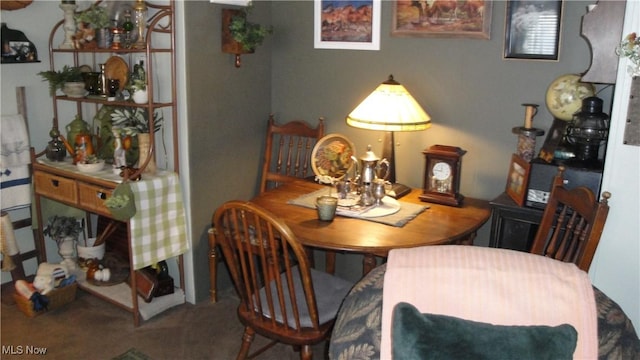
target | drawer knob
[
  {"x": 55, "y": 183},
  {"x": 101, "y": 195}
]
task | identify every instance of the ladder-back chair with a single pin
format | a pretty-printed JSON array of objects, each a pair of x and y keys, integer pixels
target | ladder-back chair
[
  {"x": 571, "y": 224},
  {"x": 288, "y": 151},
  {"x": 270, "y": 271}
]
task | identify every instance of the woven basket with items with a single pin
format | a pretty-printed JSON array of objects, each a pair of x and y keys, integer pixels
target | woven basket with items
[{"x": 52, "y": 288}]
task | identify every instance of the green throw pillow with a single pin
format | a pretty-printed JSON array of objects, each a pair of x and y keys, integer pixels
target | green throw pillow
[{"x": 430, "y": 336}]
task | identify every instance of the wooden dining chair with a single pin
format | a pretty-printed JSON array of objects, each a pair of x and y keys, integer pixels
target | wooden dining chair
[
  {"x": 282, "y": 297},
  {"x": 571, "y": 224},
  {"x": 288, "y": 151}
]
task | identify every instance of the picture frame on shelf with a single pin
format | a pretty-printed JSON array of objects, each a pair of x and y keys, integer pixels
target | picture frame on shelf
[
  {"x": 532, "y": 30},
  {"x": 348, "y": 25},
  {"x": 553, "y": 140},
  {"x": 517, "y": 179},
  {"x": 471, "y": 19}
]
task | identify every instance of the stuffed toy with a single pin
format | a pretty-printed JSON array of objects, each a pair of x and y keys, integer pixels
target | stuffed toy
[{"x": 49, "y": 276}]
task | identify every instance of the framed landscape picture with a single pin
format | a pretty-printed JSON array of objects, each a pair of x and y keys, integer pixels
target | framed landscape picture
[
  {"x": 518, "y": 178},
  {"x": 532, "y": 30},
  {"x": 346, "y": 24},
  {"x": 440, "y": 18}
]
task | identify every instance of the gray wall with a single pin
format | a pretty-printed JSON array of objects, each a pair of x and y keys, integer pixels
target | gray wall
[
  {"x": 473, "y": 96},
  {"x": 228, "y": 110}
]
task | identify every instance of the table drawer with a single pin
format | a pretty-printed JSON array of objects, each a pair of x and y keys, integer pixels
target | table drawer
[
  {"x": 92, "y": 198},
  {"x": 56, "y": 187}
]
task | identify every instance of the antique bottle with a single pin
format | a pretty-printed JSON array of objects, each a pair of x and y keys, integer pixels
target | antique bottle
[{"x": 55, "y": 148}]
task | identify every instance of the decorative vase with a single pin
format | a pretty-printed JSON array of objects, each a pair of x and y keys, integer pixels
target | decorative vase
[
  {"x": 140, "y": 96},
  {"x": 66, "y": 249},
  {"x": 144, "y": 147},
  {"x": 69, "y": 25}
]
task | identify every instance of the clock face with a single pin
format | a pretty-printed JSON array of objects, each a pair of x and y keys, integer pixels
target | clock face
[{"x": 441, "y": 171}]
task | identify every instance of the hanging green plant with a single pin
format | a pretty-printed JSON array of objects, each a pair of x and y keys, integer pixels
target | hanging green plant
[{"x": 249, "y": 35}]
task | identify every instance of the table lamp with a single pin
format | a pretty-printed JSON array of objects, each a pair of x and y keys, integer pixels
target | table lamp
[{"x": 390, "y": 108}]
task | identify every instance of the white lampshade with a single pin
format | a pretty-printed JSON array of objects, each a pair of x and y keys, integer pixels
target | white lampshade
[{"x": 390, "y": 107}]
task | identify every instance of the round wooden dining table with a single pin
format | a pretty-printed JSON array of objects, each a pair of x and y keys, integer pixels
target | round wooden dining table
[{"x": 438, "y": 224}]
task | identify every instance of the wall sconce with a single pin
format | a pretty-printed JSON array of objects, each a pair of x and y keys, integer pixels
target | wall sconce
[
  {"x": 229, "y": 45},
  {"x": 240, "y": 36}
]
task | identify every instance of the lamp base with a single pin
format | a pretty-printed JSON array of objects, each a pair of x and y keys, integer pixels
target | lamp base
[{"x": 398, "y": 190}]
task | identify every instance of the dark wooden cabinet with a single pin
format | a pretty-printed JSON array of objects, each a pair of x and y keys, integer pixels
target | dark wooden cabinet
[
  {"x": 512, "y": 226},
  {"x": 602, "y": 28}
]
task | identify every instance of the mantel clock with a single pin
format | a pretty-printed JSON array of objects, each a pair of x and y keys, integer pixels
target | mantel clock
[{"x": 442, "y": 175}]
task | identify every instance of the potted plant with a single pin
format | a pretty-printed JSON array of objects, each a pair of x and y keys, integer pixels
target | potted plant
[
  {"x": 133, "y": 121},
  {"x": 70, "y": 80},
  {"x": 93, "y": 24},
  {"x": 64, "y": 230},
  {"x": 137, "y": 85}
]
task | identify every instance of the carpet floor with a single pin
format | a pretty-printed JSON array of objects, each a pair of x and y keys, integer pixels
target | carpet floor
[{"x": 90, "y": 328}]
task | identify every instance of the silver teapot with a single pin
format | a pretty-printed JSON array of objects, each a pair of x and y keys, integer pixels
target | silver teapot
[{"x": 369, "y": 170}]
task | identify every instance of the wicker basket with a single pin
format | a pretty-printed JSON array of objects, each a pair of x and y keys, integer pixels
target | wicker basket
[{"x": 57, "y": 298}]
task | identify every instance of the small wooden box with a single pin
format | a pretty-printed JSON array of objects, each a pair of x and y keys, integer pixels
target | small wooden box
[{"x": 57, "y": 298}]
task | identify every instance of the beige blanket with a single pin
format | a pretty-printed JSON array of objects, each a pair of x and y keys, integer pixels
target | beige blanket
[{"x": 497, "y": 286}]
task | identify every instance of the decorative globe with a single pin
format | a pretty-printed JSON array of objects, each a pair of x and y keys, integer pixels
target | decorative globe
[{"x": 565, "y": 94}]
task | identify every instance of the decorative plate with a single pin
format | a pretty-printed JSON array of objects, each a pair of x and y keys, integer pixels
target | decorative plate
[
  {"x": 91, "y": 167},
  {"x": 331, "y": 157},
  {"x": 117, "y": 68}
]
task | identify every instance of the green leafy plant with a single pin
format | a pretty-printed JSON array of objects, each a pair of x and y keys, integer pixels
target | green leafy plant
[
  {"x": 58, "y": 78},
  {"x": 249, "y": 34},
  {"x": 96, "y": 16},
  {"x": 134, "y": 120},
  {"x": 61, "y": 227}
]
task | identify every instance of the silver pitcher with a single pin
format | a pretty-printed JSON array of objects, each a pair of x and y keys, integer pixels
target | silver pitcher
[{"x": 369, "y": 168}]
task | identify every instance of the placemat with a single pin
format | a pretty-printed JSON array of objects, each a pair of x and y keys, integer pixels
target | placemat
[{"x": 407, "y": 210}]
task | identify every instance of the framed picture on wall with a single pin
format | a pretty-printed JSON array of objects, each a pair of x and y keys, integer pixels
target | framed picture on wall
[
  {"x": 346, "y": 24},
  {"x": 518, "y": 178},
  {"x": 457, "y": 19},
  {"x": 532, "y": 30}
]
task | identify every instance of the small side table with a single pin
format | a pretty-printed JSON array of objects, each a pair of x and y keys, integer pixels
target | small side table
[{"x": 512, "y": 226}]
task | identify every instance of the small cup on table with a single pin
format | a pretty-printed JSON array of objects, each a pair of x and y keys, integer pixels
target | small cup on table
[{"x": 326, "y": 206}]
